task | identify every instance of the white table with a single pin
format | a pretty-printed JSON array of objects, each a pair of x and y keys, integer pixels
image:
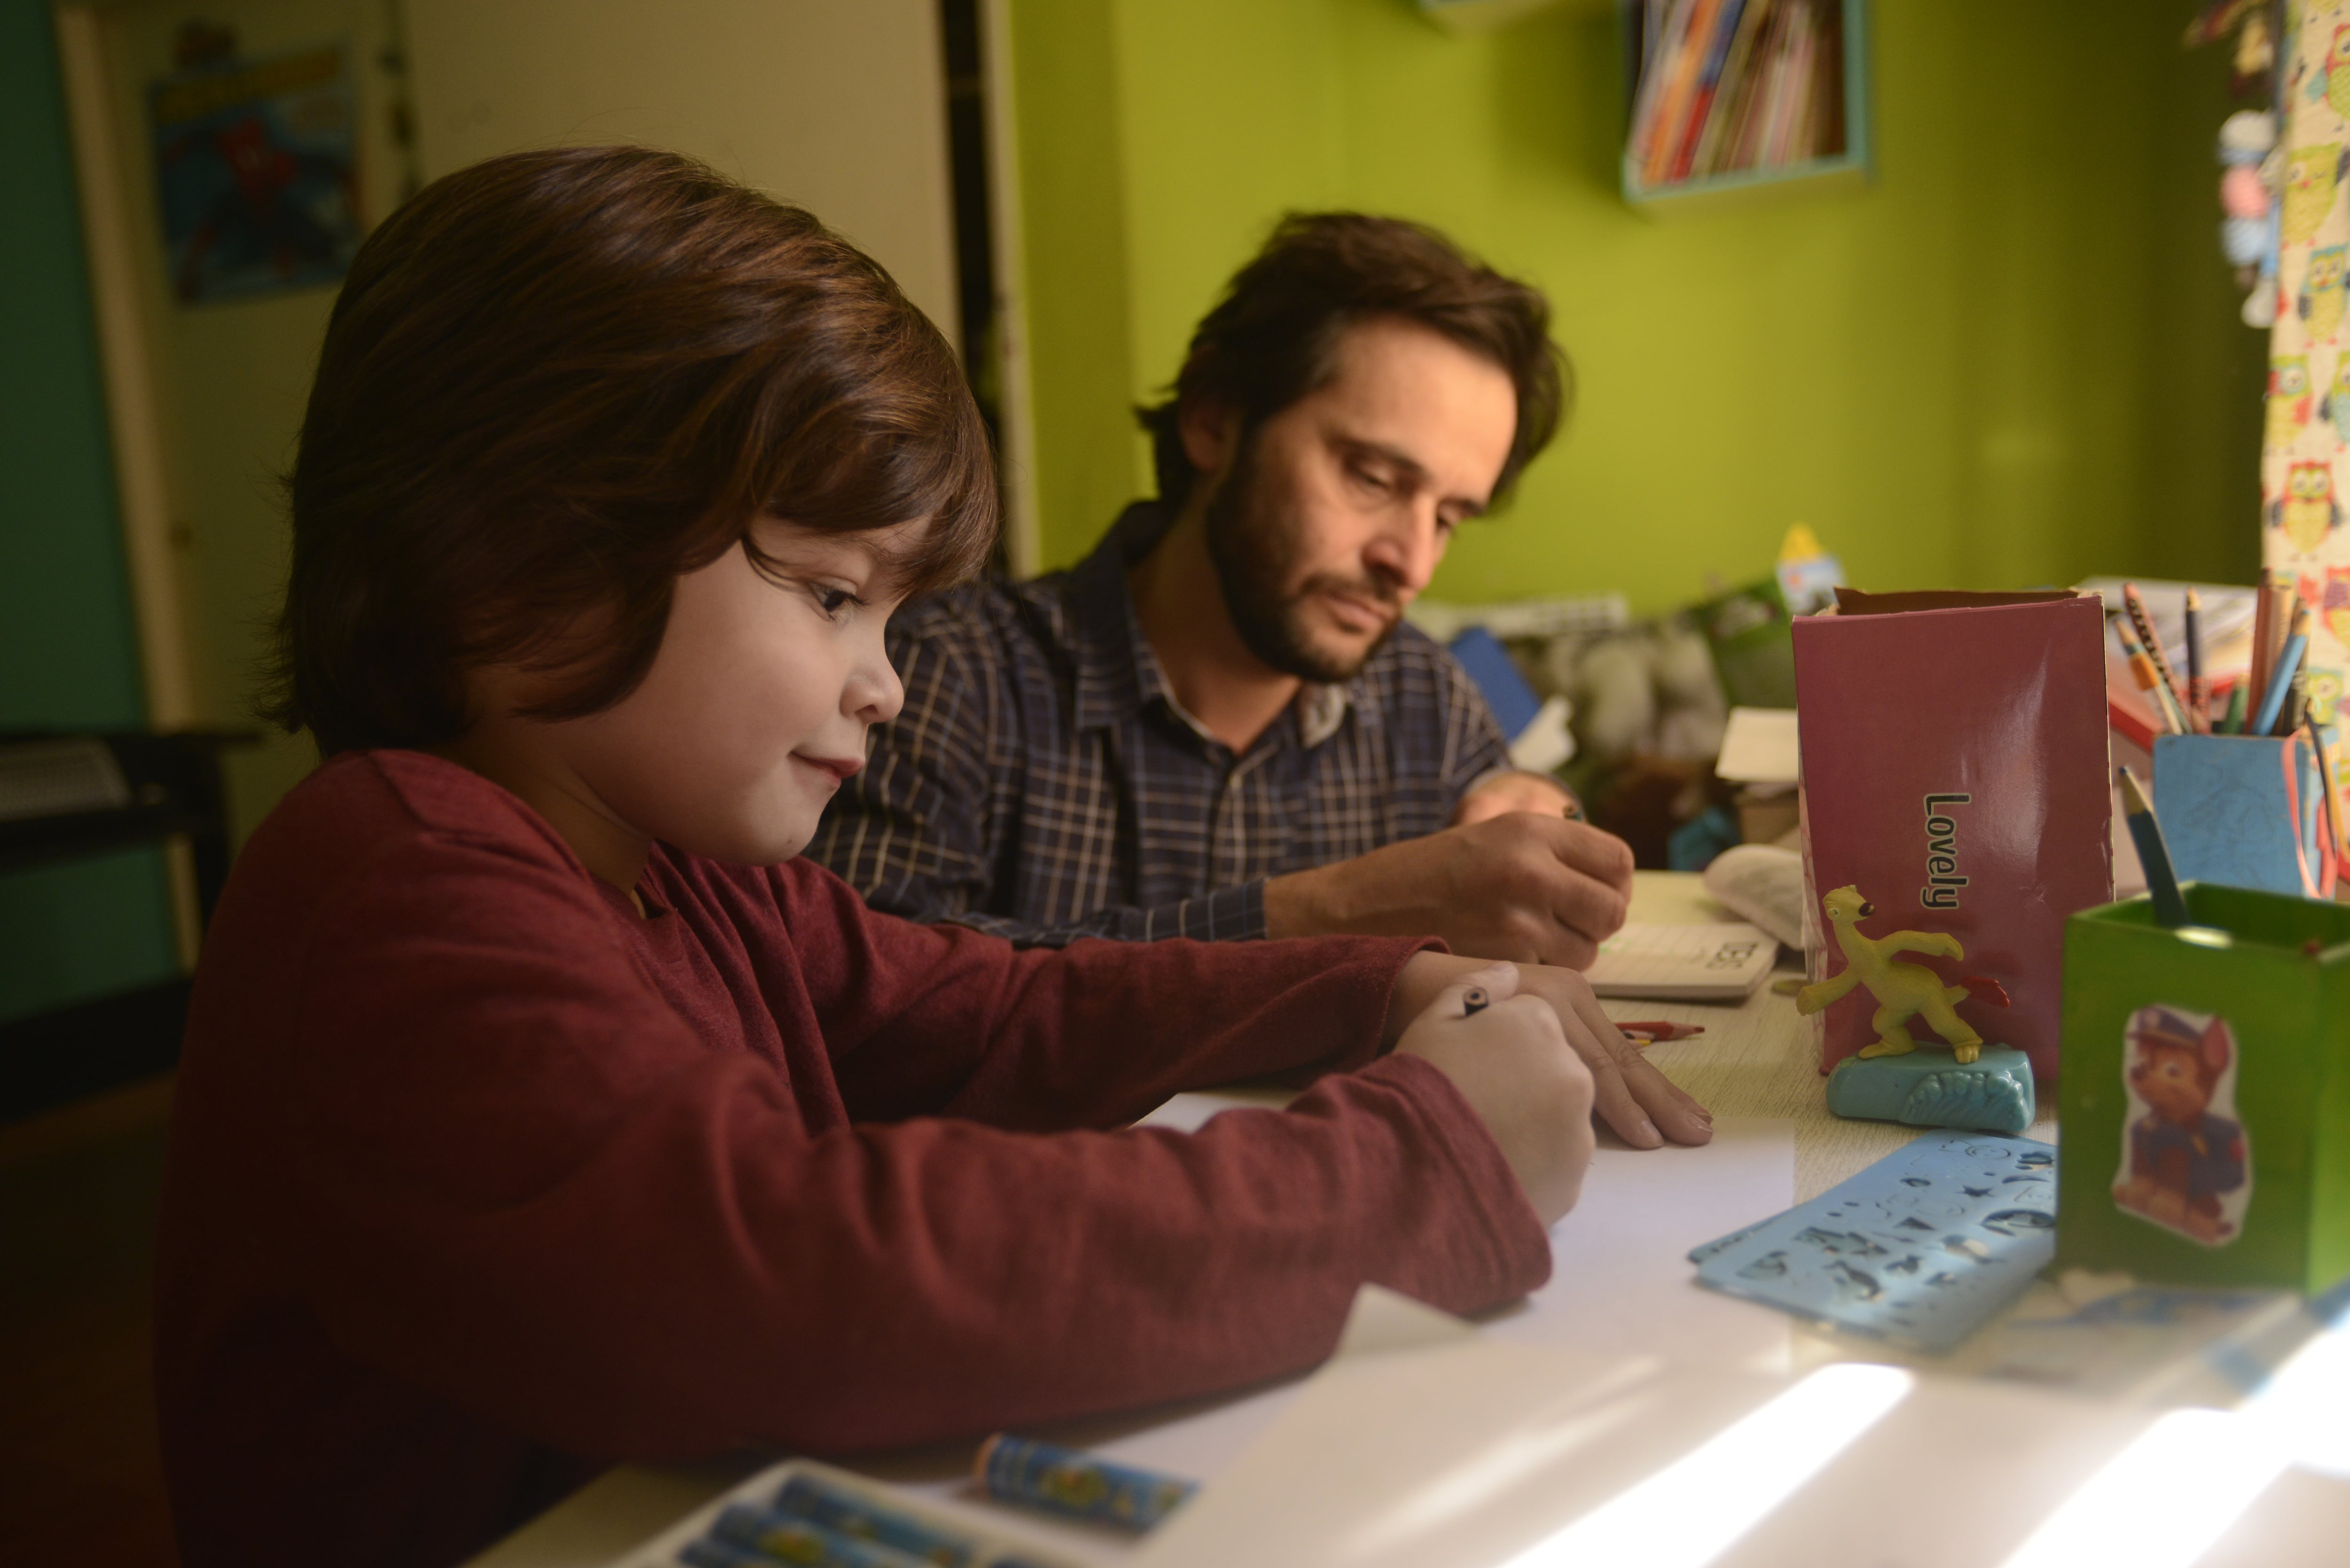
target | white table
[{"x": 1756, "y": 1066}]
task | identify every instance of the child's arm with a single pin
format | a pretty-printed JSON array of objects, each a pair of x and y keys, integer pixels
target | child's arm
[
  {"x": 929, "y": 1019},
  {"x": 502, "y": 1173}
]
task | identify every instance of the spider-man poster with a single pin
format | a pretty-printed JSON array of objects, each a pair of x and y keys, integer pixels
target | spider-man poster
[{"x": 253, "y": 168}]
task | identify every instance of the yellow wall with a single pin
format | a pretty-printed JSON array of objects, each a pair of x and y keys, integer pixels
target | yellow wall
[
  {"x": 838, "y": 105},
  {"x": 2012, "y": 360}
]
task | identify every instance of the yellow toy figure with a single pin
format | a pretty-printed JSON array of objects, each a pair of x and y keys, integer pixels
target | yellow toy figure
[{"x": 1903, "y": 990}]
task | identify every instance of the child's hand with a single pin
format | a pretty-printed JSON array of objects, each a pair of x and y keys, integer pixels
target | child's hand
[{"x": 1509, "y": 1057}]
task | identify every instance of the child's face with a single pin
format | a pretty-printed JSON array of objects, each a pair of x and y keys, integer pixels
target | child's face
[{"x": 757, "y": 704}]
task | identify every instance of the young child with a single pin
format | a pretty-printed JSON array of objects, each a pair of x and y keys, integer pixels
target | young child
[{"x": 540, "y": 1110}]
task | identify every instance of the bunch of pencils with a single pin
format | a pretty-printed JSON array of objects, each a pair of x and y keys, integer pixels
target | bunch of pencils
[{"x": 2272, "y": 698}]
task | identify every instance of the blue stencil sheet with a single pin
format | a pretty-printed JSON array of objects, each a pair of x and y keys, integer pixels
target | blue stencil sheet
[{"x": 1924, "y": 1247}]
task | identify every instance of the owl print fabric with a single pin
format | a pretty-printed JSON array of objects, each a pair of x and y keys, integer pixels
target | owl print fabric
[{"x": 2305, "y": 460}]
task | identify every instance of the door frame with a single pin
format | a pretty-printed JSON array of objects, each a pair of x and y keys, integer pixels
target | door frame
[{"x": 127, "y": 362}]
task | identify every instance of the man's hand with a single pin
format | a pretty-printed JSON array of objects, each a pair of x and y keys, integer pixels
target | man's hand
[
  {"x": 1530, "y": 888},
  {"x": 1512, "y": 1063},
  {"x": 1512, "y": 791},
  {"x": 1640, "y": 1103}
]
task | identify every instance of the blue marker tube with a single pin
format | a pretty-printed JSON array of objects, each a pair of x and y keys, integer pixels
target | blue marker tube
[
  {"x": 1056, "y": 1479},
  {"x": 782, "y": 1538},
  {"x": 851, "y": 1514},
  {"x": 2280, "y": 682}
]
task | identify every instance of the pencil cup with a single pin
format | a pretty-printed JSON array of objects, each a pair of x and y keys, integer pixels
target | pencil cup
[
  {"x": 2206, "y": 1097},
  {"x": 2244, "y": 811}
]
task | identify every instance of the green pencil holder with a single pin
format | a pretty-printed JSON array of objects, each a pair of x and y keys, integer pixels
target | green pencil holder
[{"x": 2205, "y": 1101}]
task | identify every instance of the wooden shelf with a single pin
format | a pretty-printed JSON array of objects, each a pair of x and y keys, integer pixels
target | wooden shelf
[{"x": 1849, "y": 169}]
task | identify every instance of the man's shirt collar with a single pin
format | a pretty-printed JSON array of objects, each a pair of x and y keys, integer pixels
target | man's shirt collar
[{"x": 1118, "y": 675}]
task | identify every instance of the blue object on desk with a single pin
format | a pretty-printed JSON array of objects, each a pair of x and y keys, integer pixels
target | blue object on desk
[
  {"x": 1054, "y": 1479},
  {"x": 1924, "y": 1247},
  {"x": 1927, "y": 1088},
  {"x": 1697, "y": 842},
  {"x": 2240, "y": 810},
  {"x": 1487, "y": 662}
]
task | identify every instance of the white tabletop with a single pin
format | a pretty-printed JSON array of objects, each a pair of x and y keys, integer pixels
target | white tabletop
[{"x": 1622, "y": 1287}]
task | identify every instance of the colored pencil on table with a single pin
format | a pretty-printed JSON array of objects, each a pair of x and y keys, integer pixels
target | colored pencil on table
[
  {"x": 856, "y": 1515},
  {"x": 781, "y": 1538},
  {"x": 2161, "y": 882},
  {"x": 1649, "y": 1030},
  {"x": 2199, "y": 689},
  {"x": 2144, "y": 622},
  {"x": 1031, "y": 1473}
]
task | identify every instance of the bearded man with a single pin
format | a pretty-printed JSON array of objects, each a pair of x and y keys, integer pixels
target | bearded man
[{"x": 1218, "y": 725}]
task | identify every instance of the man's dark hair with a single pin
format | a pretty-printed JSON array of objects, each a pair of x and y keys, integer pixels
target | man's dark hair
[
  {"x": 1274, "y": 336},
  {"x": 557, "y": 382}
]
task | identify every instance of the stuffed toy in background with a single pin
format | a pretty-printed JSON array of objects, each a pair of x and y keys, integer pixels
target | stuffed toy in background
[{"x": 2253, "y": 174}]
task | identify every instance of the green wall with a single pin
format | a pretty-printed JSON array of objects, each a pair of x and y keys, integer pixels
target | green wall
[
  {"x": 67, "y": 648},
  {"x": 2013, "y": 359}
]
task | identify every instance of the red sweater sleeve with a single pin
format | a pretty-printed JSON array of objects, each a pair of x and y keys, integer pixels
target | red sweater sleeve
[
  {"x": 942, "y": 1020},
  {"x": 499, "y": 1169}
]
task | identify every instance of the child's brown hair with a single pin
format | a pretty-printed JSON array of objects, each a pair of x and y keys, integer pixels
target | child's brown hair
[{"x": 555, "y": 381}]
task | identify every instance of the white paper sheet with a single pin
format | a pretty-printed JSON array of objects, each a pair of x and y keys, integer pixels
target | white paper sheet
[{"x": 1621, "y": 1283}]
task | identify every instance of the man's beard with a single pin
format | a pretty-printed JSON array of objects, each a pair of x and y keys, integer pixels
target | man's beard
[{"x": 1253, "y": 544}]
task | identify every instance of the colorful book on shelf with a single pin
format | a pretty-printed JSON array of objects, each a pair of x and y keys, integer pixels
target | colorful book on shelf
[
  {"x": 1735, "y": 89},
  {"x": 1680, "y": 67},
  {"x": 1787, "y": 79},
  {"x": 1709, "y": 89},
  {"x": 1735, "y": 84},
  {"x": 1762, "y": 70},
  {"x": 1656, "y": 75}
]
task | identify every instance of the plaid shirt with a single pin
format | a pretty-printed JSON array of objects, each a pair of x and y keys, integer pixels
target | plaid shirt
[{"x": 1041, "y": 783}]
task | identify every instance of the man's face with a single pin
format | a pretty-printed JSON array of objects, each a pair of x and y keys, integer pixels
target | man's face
[{"x": 1333, "y": 514}]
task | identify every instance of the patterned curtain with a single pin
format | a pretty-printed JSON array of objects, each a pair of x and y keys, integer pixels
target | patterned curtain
[{"x": 2306, "y": 456}]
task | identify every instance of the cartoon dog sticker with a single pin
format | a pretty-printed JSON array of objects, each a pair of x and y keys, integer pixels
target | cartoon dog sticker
[{"x": 2184, "y": 1164}]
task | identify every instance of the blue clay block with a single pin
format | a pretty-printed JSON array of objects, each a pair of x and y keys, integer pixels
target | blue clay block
[{"x": 1929, "y": 1088}]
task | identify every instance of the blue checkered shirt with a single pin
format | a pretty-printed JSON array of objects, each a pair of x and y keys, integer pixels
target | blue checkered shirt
[{"x": 1041, "y": 783}]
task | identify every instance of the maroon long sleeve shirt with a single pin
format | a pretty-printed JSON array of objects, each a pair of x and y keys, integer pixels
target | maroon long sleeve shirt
[{"x": 480, "y": 1179}]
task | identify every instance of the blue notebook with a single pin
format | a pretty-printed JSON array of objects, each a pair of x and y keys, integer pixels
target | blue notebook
[{"x": 1923, "y": 1248}]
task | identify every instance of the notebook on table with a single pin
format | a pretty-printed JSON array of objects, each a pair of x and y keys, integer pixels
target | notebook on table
[{"x": 1721, "y": 962}]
